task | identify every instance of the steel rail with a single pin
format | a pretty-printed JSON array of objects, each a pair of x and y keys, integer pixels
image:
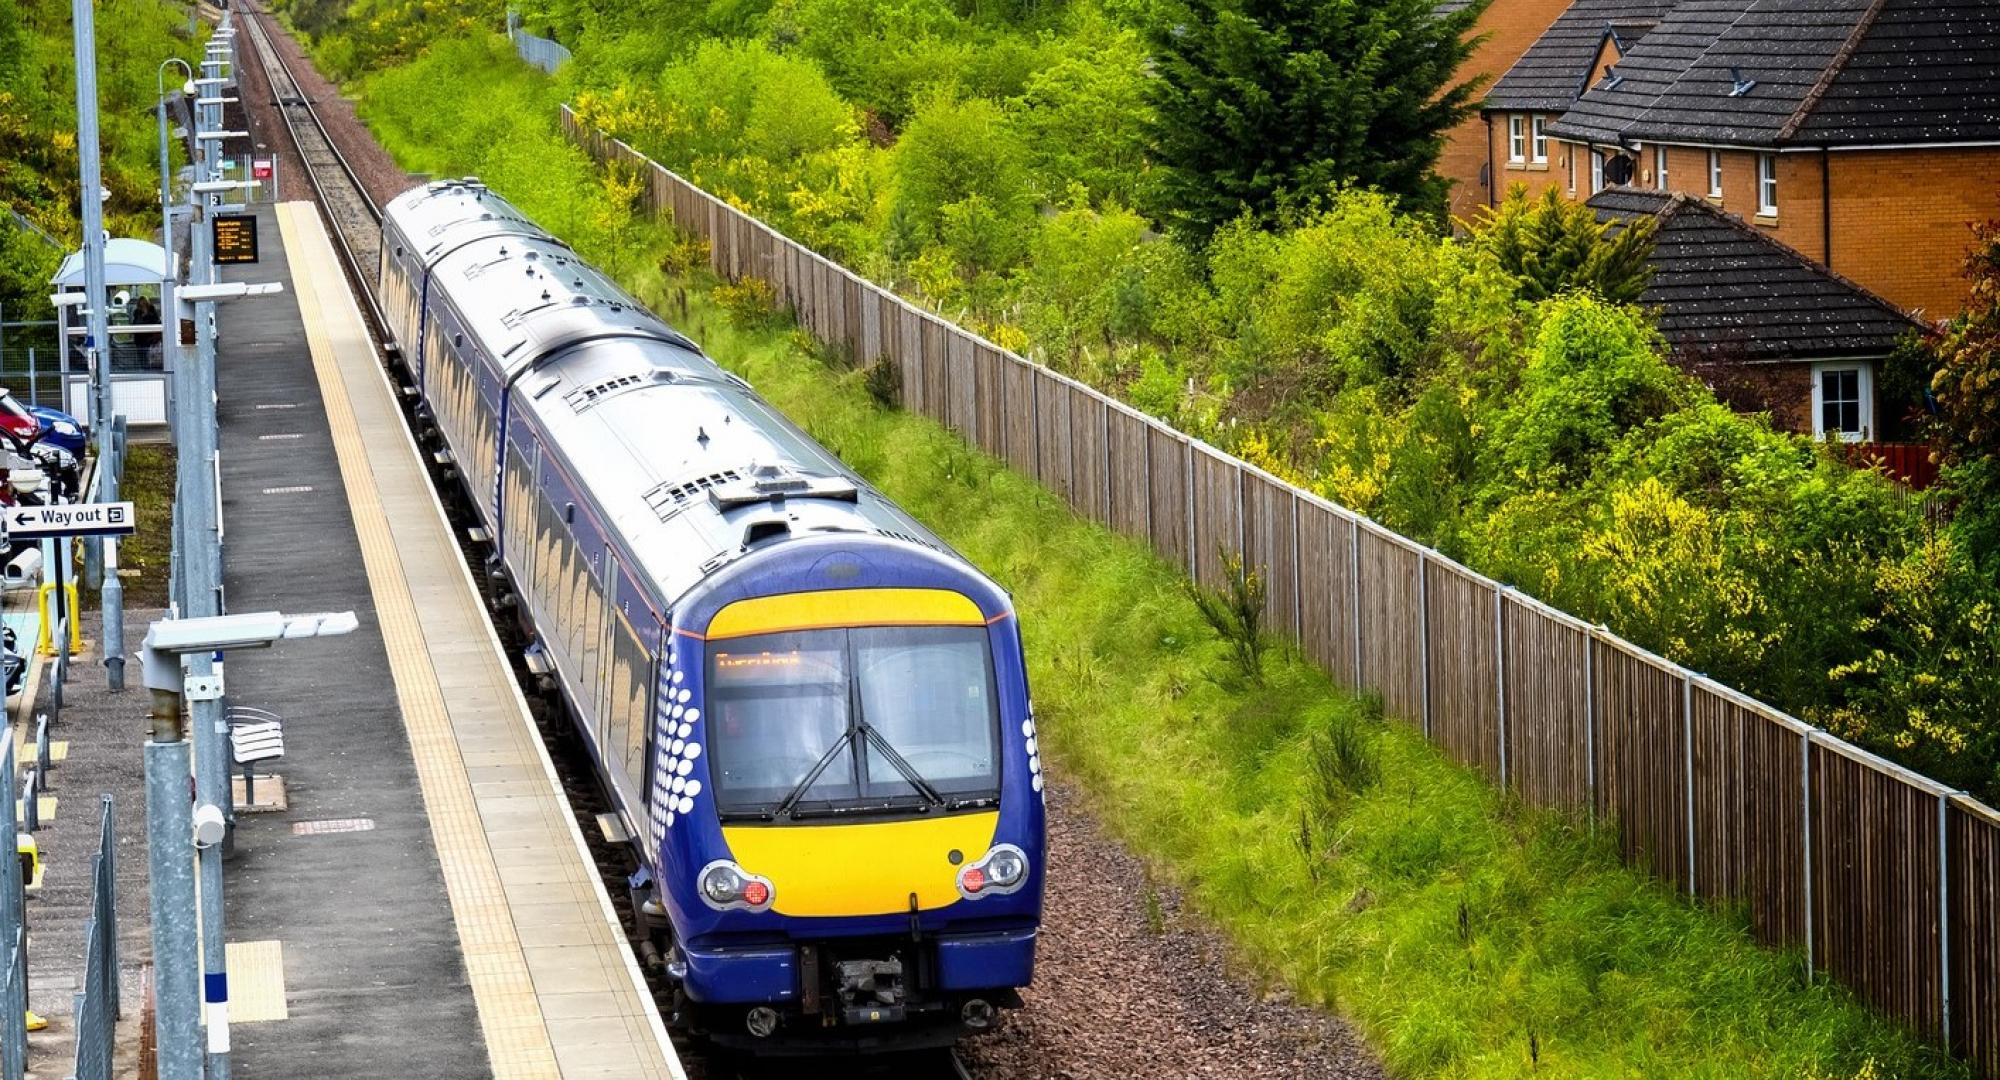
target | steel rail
[{"x": 328, "y": 171}]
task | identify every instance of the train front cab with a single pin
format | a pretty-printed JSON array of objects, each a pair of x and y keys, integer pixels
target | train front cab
[{"x": 853, "y": 841}]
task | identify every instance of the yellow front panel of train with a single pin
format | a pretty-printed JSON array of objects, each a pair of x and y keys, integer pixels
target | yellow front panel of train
[
  {"x": 843, "y": 608},
  {"x": 871, "y": 869}
]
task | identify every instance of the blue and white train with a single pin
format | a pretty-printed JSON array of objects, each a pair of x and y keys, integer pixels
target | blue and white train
[{"x": 813, "y": 713}]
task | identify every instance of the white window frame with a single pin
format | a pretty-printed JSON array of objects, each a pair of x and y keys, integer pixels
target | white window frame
[
  {"x": 1517, "y": 144},
  {"x": 1767, "y": 185},
  {"x": 1715, "y": 174},
  {"x": 1538, "y": 139},
  {"x": 1596, "y": 172},
  {"x": 1864, "y": 385},
  {"x": 1660, "y": 167}
]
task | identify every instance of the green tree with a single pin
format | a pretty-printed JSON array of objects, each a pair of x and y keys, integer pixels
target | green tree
[
  {"x": 1551, "y": 245},
  {"x": 1967, "y": 388},
  {"x": 1261, "y": 104}
]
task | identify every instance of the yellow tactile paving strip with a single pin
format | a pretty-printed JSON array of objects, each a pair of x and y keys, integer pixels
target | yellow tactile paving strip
[
  {"x": 256, "y": 981},
  {"x": 572, "y": 1004}
]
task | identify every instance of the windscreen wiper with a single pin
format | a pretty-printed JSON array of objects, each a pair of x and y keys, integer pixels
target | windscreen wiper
[
  {"x": 791, "y": 800},
  {"x": 910, "y": 774}
]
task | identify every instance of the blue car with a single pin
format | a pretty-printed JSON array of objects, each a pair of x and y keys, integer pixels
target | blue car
[{"x": 41, "y": 424}]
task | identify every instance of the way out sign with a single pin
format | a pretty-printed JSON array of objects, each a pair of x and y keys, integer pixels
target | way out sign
[{"x": 79, "y": 519}]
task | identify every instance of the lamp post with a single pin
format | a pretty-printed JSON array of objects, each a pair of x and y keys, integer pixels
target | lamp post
[
  {"x": 198, "y": 574},
  {"x": 172, "y": 651}
]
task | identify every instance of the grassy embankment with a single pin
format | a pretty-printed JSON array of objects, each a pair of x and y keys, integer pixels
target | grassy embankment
[{"x": 1343, "y": 857}]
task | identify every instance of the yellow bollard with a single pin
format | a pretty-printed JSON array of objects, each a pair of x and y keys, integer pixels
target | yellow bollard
[
  {"x": 45, "y": 643},
  {"x": 45, "y": 640}
]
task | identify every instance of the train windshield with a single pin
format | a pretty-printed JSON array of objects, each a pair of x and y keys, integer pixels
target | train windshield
[{"x": 817, "y": 722}]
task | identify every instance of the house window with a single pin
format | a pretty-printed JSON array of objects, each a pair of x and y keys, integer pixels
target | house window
[
  {"x": 1767, "y": 185},
  {"x": 1596, "y": 172},
  {"x": 1517, "y": 145},
  {"x": 1715, "y": 174},
  {"x": 1541, "y": 142},
  {"x": 1569, "y": 166},
  {"x": 1843, "y": 401},
  {"x": 1660, "y": 167}
]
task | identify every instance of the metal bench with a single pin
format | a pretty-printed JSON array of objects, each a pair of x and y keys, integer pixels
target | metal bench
[{"x": 254, "y": 735}]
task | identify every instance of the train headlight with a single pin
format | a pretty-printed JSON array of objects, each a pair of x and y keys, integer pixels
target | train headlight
[
  {"x": 725, "y": 886},
  {"x": 1002, "y": 870}
]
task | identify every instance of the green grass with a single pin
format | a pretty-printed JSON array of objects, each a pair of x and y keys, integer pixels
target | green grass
[
  {"x": 149, "y": 485},
  {"x": 1342, "y": 856}
]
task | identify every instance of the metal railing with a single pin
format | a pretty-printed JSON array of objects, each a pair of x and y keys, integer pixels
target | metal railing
[
  {"x": 13, "y": 931},
  {"x": 97, "y": 1008}
]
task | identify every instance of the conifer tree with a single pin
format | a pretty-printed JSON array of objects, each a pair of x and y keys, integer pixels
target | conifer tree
[{"x": 1267, "y": 104}]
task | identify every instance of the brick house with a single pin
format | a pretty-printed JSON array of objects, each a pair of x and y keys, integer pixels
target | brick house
[
  {"x": 1863, "y": 134},
  {"x": 1769, "y": 329},
  {"x": 1505, "y": 30}
]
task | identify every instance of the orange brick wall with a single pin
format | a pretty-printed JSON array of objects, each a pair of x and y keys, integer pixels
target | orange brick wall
[
  {"x": 1900, "y": 220},
  {"x": 1536, "y": 177},
  {"x": 1900, "y": 217},
  {"x": 1511, "y": 26}
]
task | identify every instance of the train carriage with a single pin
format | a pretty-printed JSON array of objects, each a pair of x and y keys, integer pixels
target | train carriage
[{"x": 812, "y": 712}]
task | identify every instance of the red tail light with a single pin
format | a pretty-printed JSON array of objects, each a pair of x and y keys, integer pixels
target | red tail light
[
  {"x": 756, "y": 892},
  {"x": 974, "y": 880}
]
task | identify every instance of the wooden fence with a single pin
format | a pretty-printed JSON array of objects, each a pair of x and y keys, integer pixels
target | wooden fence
[{"x": 1885, "y": 878}]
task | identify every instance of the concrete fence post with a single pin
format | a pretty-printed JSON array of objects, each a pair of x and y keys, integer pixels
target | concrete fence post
[
  {"x": 1944, "y": 917},
  {"x": 1424, "y": 638},
  {"x": 1193, "y": 556},
  {"x": 1500, "y": 670},
  {"x": 1354, "y": 587},
  {"x": 1590, "y": 719},
  {"x": 1687, "y": 768},
  {"x": 1806, "y": 839}
]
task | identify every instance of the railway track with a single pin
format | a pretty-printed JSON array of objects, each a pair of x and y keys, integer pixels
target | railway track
[{"x": 354, "y": 220}]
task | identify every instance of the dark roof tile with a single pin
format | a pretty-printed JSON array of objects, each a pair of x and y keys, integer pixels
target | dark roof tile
[
  {"x": 1722, "y": 287},
  {"x": 1926, "y": 71}
]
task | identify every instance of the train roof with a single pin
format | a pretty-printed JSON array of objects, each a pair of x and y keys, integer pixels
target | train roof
[{"x": 688, "y": 464}]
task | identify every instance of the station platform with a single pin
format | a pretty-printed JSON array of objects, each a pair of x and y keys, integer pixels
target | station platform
[{"x": 424, "y": 905}]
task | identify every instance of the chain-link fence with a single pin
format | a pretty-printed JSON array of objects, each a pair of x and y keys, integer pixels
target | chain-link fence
[
  {"x": 97, "y": 1002},
  {"x": 539, "y": 51}
]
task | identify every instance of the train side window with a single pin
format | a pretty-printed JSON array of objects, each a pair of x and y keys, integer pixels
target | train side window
[
  {"x": 638, "y": 707},
  {"x": 545, "y": 549}
]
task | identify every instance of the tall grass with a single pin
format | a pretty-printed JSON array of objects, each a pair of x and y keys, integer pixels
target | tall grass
[{"x": 1345, "y": 859}]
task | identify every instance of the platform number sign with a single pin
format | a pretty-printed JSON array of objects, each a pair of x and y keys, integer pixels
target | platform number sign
[{"x": 235, "y": 238}]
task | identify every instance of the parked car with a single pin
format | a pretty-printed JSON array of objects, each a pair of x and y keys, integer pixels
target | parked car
[{"x": 39, "y": 423}]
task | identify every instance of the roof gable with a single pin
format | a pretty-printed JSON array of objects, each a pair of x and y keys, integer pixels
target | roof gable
[
  {"x": 1725, "y": 290},
  {"x": 1560, "y": 64}
]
